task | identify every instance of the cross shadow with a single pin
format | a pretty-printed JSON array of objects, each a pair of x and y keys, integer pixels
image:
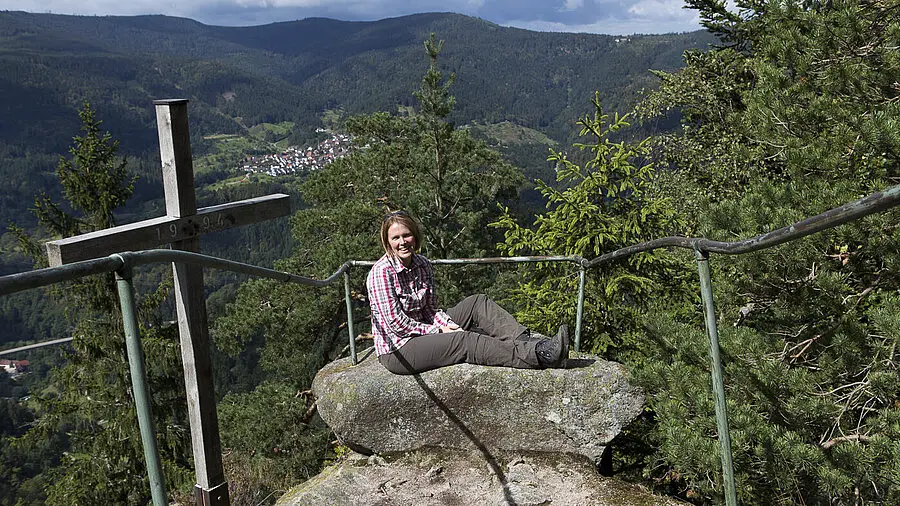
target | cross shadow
[
  {"x": 367, "y": 353},
  {"x": 578, "y": 363},
  {"x": 485, "y": 452}
]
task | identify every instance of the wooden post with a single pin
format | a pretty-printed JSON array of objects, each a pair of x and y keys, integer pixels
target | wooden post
[
  {"x": 178, "y": 179},
  {"x": 182, "y": 227}
]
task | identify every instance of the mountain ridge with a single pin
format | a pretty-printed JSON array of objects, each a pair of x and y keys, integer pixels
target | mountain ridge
[{"x": 238, "y": 77}]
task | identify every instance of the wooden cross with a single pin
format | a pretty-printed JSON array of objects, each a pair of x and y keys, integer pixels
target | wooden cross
[{"x": 182, "y": 227}]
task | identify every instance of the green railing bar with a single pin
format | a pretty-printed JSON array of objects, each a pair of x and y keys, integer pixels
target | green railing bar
[
  {"x": 139, "y": 386},
  {"x": 350, "y": 331},
  {"x": 12, "y": 283},
  {"x": 579, "y": 307},
  {"x": 36, "y": 345},
  {"x": 42, "y": 277},
  {"x": 718, "y": 381}
]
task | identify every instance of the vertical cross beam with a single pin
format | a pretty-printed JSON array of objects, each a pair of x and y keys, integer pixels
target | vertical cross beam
[{"x": 178, "y": 179}]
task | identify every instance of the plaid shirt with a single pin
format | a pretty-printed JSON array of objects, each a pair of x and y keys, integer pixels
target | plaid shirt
[{"x": 403, "y": 302}]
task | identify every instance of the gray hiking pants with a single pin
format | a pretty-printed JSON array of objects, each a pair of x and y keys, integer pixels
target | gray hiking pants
[{"x": 488, "y": 338}]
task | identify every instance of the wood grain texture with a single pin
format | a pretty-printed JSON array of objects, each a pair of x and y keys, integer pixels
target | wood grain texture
[{"x": 166, "y": 229}]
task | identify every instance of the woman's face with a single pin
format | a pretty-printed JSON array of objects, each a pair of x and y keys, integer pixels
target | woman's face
[{"x": 402, "y": 242}]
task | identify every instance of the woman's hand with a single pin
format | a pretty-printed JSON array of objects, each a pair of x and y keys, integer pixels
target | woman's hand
[{"x": 450, "y": 328}]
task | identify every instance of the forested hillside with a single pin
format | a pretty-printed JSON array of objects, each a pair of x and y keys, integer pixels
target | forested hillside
[
  {"x": 308, "y": 74},
  {"x": 238, "y": 77}
]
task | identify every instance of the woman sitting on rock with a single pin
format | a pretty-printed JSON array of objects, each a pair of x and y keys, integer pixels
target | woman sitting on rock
[{"x": 412, "y": 335}]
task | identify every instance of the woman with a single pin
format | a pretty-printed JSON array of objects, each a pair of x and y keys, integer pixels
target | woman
[{"x": 412, "y": 335}]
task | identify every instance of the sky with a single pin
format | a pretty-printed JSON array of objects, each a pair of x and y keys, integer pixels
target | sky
[{"x": 612, "y": 17}]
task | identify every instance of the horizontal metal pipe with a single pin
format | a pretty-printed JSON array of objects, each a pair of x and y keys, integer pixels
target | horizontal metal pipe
[
  {"x": 489, "y": 260},
  {"x": 42, "y": 277},
  {"x": 36, "y": 345},
  {"x": 874, "y": 203},
  {"x": 165, "y": 255}
]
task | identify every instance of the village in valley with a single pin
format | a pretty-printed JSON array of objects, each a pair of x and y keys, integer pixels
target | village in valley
[{"x": 300, "y": 160}]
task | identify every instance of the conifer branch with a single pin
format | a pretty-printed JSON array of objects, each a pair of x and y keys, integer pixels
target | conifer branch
[{"x": 840, "y": 439}]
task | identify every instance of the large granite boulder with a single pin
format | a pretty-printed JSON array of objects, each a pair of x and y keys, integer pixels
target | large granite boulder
[
  {"x": 577, "y": 410},
  {"x": 434, "y": 477}
]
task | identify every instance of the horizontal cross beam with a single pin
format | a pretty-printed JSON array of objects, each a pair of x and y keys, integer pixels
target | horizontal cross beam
[{"x": 166, "y": 229}]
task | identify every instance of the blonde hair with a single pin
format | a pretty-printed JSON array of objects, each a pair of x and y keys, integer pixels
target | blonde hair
[{"x": 403, "y": 218}]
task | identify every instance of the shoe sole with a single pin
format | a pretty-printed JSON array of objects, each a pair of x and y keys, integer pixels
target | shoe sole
[{"x": 564, "y": 354}]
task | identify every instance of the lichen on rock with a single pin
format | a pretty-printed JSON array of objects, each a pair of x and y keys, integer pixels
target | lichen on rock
[
  {"x": 577, "y": 410},
  {"x": 435, "y": 476}
]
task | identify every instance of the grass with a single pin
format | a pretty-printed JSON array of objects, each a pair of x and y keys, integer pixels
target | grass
[
  {"x": 230, "y": 150},
  {"x": 239, "y": 179},
  {"x": 510, "y": 134}
]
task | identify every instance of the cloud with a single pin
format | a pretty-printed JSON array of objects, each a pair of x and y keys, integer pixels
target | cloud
[
  {"x": 610, "y": 26},
  {"x": 613, "y": 17},
  {"x": 660, "y": 9},
  {"x": 571, "y": 5}
]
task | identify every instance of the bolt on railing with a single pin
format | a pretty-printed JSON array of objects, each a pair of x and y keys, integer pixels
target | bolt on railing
[{"x": 123, "y": 263}]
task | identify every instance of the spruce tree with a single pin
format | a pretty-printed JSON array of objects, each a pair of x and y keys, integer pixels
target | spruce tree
[
  {"x": 794, "y": 115},
  {"x": 598, "y": 206},
  {"x": 89, "y": 398},
  {"x": 421, "y": 163}
]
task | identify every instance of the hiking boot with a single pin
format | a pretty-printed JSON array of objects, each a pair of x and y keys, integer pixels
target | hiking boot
[{"x": 554, "y": 352}]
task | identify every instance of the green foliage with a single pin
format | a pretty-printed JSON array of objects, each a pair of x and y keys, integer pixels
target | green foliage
[
  {"x": 421, "y": 163},
  {"x": 605, "y": 204},
  {"x": 268, "y": 454},
  {"x": 714, "y": 148},
  {"x": 94, "y": 181},
  {"x": 836, "y": 436},
  {"x": 510, "y": 134},
  {"x": 796, "y": 117},
  {"x": 89, "y": 398},
  {"x": 238, "y": 77},
  {"x": 21, "y": 466}
]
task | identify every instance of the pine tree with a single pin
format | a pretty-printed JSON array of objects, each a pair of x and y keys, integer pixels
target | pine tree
[
  {"x": 795, "y": 116},
  {"x": 89, "y": 399},
  {"x": 420, "y": 163}
]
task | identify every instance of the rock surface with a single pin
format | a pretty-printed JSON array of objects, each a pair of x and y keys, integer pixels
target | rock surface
[
  {"x": 454, "y": 477},
  {"x": 576, "y": 410}
]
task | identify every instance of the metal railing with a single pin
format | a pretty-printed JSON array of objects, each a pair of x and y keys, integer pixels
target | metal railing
[{"x": 123, "y": 263}]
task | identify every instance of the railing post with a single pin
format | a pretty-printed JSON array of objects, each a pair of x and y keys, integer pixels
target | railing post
[
  {"x": 350, "y": 330},
  {"x": 718, "y": 382},
  {"x": 579, "y": 310},
  {"x": 139, "y": 386}
]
